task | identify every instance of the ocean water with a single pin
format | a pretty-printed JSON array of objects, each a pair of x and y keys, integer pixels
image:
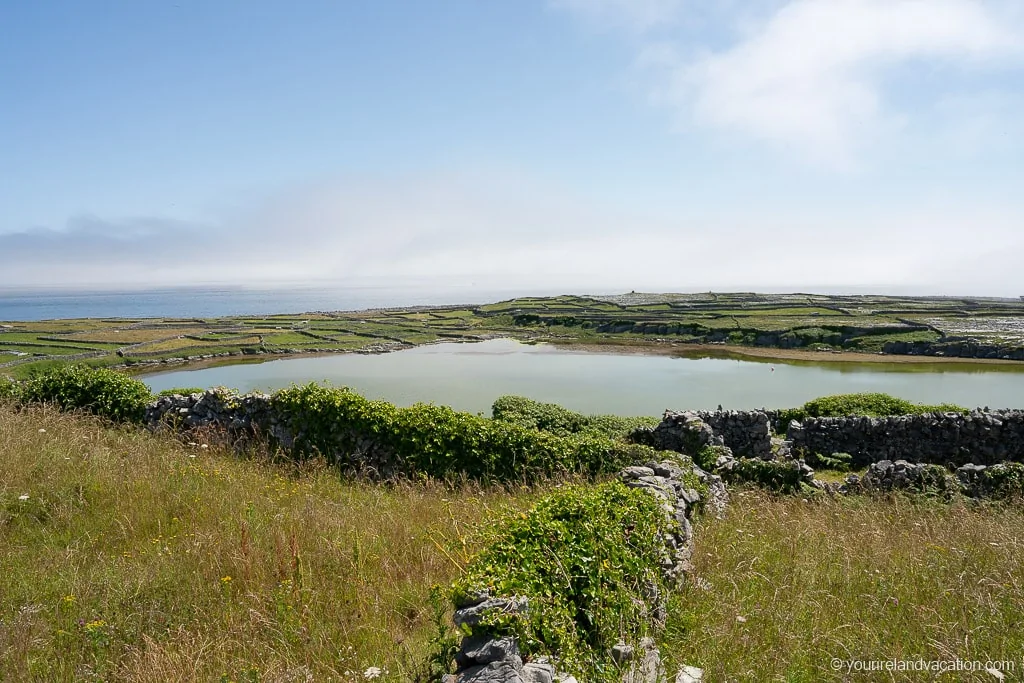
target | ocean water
[{"x": 211, "y": 302}]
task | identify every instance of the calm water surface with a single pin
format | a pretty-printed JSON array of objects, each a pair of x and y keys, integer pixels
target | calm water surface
[{"x": 470, "y": 376}]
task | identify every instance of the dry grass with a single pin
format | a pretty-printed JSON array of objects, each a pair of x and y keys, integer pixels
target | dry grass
[
  {"x": 133, "y": 558},
  {"x": 786, "y": 585},
  {"x": 130, "y": 557}
]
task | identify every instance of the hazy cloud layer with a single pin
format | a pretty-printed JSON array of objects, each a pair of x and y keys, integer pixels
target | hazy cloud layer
[{"x": 516, "y": 234}]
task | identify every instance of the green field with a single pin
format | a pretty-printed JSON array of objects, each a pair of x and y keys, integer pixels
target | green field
[{"x": 961, "y": 328}]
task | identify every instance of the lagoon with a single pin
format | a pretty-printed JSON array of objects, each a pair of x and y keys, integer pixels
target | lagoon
[{"x": 469, "y": 376}]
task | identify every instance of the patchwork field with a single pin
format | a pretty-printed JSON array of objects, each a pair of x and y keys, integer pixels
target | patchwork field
[{"x": 935, "y": 327}]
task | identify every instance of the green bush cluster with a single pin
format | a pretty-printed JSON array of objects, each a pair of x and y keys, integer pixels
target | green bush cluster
[
  {"x": 551, "y": 417},
  {"x": 586, "y": 558},
  {"x": 774, "y": 475},
  {"x": 557, "y": 420},
  {"x": 182, "y": 391},
  {"x": 100, "y": 391},
  {"x": 1004, "y": 481},
  {"x": 706, "y": 457},
  {"x": 936, "y": 480},
  {"x": 837, "y": 462},
  {"x": 9, "y": 389},
  {"x": 437, "y": 441},
  {"x": 866, "y": 404}
]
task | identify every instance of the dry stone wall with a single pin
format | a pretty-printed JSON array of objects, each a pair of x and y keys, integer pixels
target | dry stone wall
[
  {"x": 979, "y": 437},
  {"x": 248, "y": 416},
  {"x": 949, "y": 439},
  {"x": 496, "y": 659},
  {"x": 746, "y": 433}
]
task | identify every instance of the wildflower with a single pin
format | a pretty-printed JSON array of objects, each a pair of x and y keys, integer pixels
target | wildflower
[
  {"x": 42, "y": 431},
  {"x": 225, "y": 580},
  {"x": 372, "y": 672},
  {"x": 95, "y": 625},
  {"x": 69, "y": 599},
  {"x": 23, "y": 496}
]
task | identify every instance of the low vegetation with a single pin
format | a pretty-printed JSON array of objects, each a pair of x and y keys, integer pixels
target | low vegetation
[
  {"x": 551, "y": 417},
  {"x": 437, "y": 441},
  {"x": 135, "y": 558},
  {"x": 866, "y": 404},
  {"x": 784, "y": 585},
  {"x": 586, "y": 559},
  {"x": 100, "y": 391}
]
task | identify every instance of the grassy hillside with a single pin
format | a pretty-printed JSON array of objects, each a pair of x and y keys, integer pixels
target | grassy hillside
[
  {"x": 131, "y": 557},
  {"x": 784, "y": 585}
]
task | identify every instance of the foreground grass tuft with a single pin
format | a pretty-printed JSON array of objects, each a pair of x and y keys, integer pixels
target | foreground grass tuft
[
  {"x": 131, "y": 557},
  {"x": 785, "y": 585}
]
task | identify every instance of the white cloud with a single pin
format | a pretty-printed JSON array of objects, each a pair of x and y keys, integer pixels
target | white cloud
[{"x": 811, "y": 78}]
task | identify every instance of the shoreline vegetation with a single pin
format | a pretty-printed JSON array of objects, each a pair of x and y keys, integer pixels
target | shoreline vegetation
[{"x": 792, "y": 328}]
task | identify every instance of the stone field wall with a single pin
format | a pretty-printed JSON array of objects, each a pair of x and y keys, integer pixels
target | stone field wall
[
  {"x": 982, "y": 438},
  {"x": 979, "y": 437}
]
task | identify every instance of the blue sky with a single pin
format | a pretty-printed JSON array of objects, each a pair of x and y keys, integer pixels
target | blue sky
[{"x": 583, "y": 144}]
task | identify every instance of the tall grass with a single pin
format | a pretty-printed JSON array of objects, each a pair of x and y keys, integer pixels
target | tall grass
[
  {"x": 129, "y": 557},
  {"x": 785, "y": 585},
  {"x": 125, "y": 556}
]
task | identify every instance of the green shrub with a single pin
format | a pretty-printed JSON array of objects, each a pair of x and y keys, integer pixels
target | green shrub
[
  {"x": 9, "y": 389},
  {"x": 551, "y": 417},
  {"x": 872, "y": 405},
  {"x": 103, "y": 392},
  {"x": 867, "y": 404},
  {"x": 780, "y": 477},
  {"x": 586, "y": 559},
  {"x": 183, "y": 391},
  {"x": 936, "y": 480},
  {"x": 1003, "y": 481},
  {"x": 706, "y": 457},
  {"x": 787, "y": 415},
  {"x": 837, "y": 462},
  {"x": 438, "y": 441}
]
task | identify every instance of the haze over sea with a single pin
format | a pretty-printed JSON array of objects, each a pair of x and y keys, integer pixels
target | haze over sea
[{"x": 215, "y": 301}]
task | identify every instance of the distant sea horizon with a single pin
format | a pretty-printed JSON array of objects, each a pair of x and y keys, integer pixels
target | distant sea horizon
[
  {"x": 212, "y": 301},
  {"x": 32, "y": 303}
]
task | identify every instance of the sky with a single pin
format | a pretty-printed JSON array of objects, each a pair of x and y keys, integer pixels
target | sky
[{"x": 581, "y": 145}]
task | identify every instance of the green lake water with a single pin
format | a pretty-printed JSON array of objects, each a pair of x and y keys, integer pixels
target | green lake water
[{"x": 470, "y": 376}]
